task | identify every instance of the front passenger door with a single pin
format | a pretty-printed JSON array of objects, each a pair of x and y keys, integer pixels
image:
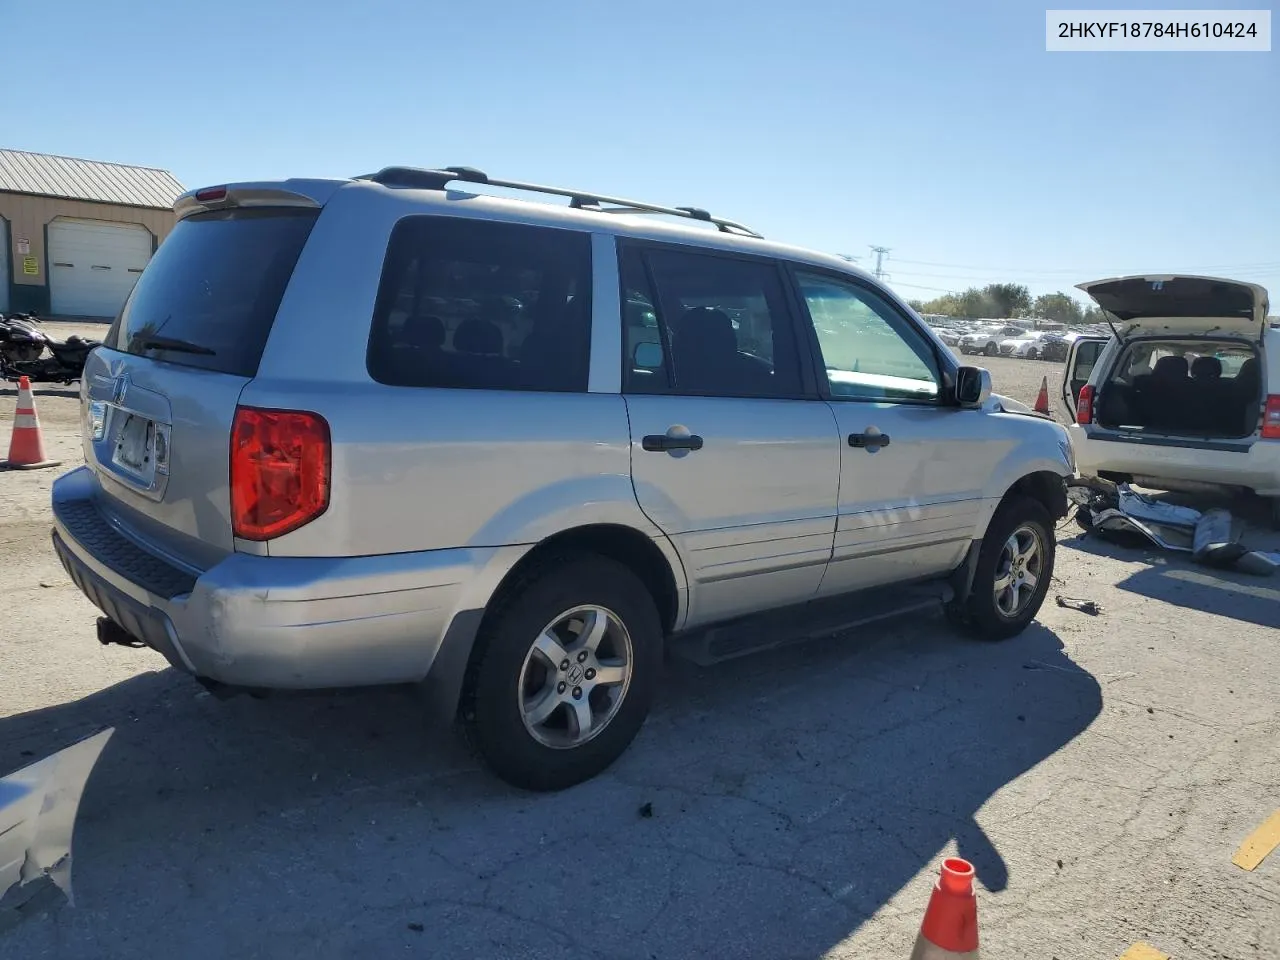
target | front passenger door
[{"x": 914, "y": 468}]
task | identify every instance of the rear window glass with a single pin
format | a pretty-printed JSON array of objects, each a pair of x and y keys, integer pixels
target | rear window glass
[
  {"x": 210, "y": 294},
  {"x": 1199, "y": 360},
  {"x": 475, "y": 304}
]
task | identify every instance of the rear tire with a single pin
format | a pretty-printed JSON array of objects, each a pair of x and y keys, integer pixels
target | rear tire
[
  {"x": 512, "y": 685},
  {"x": 991, "y": 350},
  {"x": 1018, "y": 547}
]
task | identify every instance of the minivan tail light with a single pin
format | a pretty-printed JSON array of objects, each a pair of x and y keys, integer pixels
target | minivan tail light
[
  {"x": 1084, "y": 405},
  {"x": 1271, "y": 418},
  {"x": 280, "y": 469},
  {"x": 211, "y": 194}
]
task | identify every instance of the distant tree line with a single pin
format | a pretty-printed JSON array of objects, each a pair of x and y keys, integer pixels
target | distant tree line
[{"x": 1001, "y": 301}]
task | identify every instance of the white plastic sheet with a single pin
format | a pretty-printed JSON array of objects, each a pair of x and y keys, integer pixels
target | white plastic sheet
[
  {"x": 38, "y": 806},
  {"x": 1212, "y": 538}
]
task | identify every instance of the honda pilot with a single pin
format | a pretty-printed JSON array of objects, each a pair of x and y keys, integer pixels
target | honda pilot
[{"x": 398, "y": 430}]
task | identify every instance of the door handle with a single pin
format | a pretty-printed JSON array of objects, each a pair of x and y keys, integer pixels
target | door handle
[
  {"x": 661, "y": 443},
  {"x": 871, "y": 441}
]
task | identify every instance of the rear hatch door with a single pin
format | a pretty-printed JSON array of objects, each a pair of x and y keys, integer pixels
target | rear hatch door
[
  {"x": 160, "y": 396},
  {"x": 1141, "y": 306}
]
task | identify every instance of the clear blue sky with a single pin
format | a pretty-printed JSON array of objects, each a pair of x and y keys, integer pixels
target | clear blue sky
[{"x": 940, "y": 129}]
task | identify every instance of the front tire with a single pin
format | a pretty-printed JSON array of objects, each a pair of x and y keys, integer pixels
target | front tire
[
  {"x": 567, "y": 665},
  {"x": 1013, "y": 573}
]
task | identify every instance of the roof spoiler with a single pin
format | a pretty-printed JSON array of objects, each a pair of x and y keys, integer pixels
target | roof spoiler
[{"x": 288, "y": 193}]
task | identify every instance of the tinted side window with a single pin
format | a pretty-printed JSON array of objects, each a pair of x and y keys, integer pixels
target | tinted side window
[
  {"x": 721, "y": 326},
  {"x": 209, "y": 296},
  {"x": 869, "y": 350},
  {"x": 475, "y": 304}
]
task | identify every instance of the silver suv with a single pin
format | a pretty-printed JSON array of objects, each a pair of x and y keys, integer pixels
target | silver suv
[{"x": 389, "y": 430}]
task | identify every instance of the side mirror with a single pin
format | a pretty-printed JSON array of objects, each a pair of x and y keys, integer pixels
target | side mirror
[
  {"x": 648, "y": 356},
  {"x": 973, "y": 386}
]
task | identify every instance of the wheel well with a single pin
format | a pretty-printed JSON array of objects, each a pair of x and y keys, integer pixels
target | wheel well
[
  {"x": 1045, "y": 486},
  {"x": 626, "y": 545}
]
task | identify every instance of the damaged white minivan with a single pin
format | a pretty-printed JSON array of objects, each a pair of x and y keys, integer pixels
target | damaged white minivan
[{"x": 1186, "y": 393}]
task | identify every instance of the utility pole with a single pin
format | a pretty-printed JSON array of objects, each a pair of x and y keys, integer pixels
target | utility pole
[{"x": 881, "y": 253}]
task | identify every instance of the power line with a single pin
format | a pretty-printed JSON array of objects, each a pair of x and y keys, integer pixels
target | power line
[
  {"x": 978, "y": 277},
  {"x": 916, "y": 286},
  {"x": 1048, "y": 271}
]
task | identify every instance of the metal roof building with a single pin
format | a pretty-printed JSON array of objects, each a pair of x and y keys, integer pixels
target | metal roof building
[{"x": 78, "y": 232}]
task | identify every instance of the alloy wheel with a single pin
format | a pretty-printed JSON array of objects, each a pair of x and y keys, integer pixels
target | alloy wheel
[
  {"x": 1018, "y": 571},
  {"x": 575, "y": 677}
]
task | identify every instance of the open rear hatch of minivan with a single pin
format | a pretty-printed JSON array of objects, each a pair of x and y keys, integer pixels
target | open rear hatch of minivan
[
  {"x": 160, "y": 397},
  {"x": 1181, "y": 306},
  {"x": 1190, "y": 365}
]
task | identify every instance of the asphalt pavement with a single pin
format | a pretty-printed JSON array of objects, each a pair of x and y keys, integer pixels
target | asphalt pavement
[{"x": 1100, "y": 771}]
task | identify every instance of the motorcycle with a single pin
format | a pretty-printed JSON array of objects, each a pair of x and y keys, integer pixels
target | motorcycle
[{"x": 23, "y": 348}]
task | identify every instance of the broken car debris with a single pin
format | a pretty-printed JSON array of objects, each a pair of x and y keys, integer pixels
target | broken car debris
[
  {"x": 38, "y": 806},
  {"x": 1212, "y": 537}
]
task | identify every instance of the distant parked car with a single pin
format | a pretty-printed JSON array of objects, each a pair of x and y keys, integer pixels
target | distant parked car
[
  {"x": 1056, "y": 346},
  {"x": 1026, "y": 347},
  {"x": 1040, "y": 345},
  {"x": 987, "y": 340}
]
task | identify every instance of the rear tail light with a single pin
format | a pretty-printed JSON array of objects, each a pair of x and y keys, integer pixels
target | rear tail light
[
  {"x": 1084, "y": 405},
  {"x": 280, "y": 466},
  {"x": 211, "y": 194},
  {"x": 1271, "y": 418}
]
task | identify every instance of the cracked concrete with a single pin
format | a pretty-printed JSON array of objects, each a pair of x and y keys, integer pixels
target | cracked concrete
[{"x": 1099, "y": 771}]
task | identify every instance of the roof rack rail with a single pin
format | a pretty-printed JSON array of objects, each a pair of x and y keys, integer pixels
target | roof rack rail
[{"x": 438, "y": 179}]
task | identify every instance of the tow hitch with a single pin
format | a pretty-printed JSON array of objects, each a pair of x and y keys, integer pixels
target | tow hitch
[{"x": 110, "y": 632}]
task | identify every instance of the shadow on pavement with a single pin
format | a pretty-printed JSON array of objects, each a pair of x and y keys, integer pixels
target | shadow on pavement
[
  {"x": 70, "y": 391},
  {"x": 768, "y": 809},
  {"x": 1173, "y": 577}
]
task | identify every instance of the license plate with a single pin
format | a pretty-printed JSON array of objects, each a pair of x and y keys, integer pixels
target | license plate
[{"x": 135, "y": 446}]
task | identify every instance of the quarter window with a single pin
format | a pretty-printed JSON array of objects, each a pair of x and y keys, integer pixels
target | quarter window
[
  {"x": 474, "y": 304},
  {"x": 869, "y": 350}
]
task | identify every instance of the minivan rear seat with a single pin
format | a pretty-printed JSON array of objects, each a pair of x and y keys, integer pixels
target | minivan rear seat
[
  {"x": 1202, "y": 403},
  {"x": 1214, "y": 410},
  {"x": 1162, "y": 398}
]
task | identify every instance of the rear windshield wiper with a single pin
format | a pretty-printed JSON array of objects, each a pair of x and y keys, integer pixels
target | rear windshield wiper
[{"x": 171, "y": 343}]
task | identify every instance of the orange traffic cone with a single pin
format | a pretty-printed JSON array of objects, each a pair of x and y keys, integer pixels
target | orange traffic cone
[
  {"x": 26, "y": 446},
  {"x": 1042, "y": 399},
  {"x": 950, "y": 927}
]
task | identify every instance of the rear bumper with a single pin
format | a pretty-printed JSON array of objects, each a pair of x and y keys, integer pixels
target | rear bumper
[
  {"x": 268, "y": 622},
  {"x": 1254, "y": 464}
]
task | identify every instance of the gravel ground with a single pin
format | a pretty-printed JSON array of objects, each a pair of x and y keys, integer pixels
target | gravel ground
[{"x": 1099, "y": 770}]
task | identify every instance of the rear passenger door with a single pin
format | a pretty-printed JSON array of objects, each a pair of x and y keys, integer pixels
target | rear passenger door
[
  {"x": 1082, "y": 357},
  {"x": 732, "y": 454},
  {"x": 914, "y": 467}
]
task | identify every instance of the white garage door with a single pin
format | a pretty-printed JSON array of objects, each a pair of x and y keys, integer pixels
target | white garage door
[
  {"x": 93, "y": 265},
  {"x": 4, "y": 266}
]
